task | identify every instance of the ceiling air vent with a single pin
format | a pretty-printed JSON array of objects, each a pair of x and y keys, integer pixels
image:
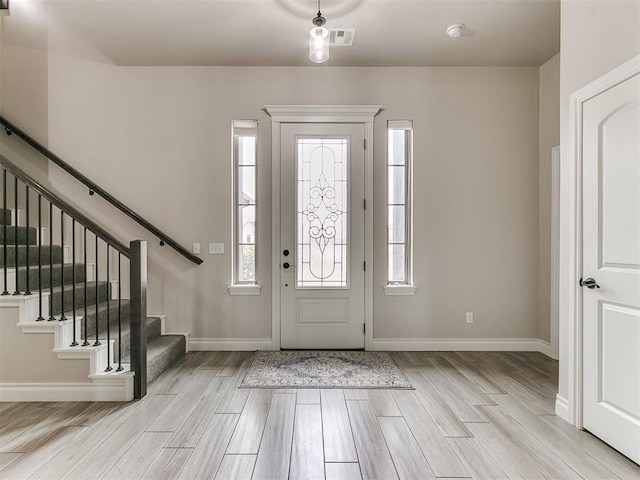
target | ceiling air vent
[{"x": 341, "y": 37}]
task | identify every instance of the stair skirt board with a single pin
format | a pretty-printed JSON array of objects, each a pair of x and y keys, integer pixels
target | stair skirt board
[{"x": 113, "y": 390}]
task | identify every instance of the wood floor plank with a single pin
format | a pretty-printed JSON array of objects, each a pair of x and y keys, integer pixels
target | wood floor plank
[
  {"x": 15, "y": 412},
  {"x": 480, "y": 464},
  {"x": 443, "y": 460},
  {"x": 248, "y": 433},
  {"x": 373, "y": 454},
  {"x": 167, "y": 464},
  {"x": 94, "y": 412},
  {"x": 215, "y": 361},
  {"x": 515, "y": 463},
  {"x": 338, "y": 438},
  {"x": 190, "y": 429},
  {"x": 356, "y": 394},
  {"x": 472, "y": 373},
  {"x": 594, "y": 447},
  {"x": 113, "y": 447},
  {"x": 444, "y": 417},
  {"x": 342, "y": 471},
  {"x": 7, "y": 459},
  {"x": 80, "y": 448},
  {"x": 235, "y": 398},
  {"x": 403, "y": 362},
  {"x": 561, "y": 445},
  {"x": 307, "y": 454},
  {"x": 176, "y": 377},
  {"x": 308, "y": 396},
  {"x": 28, "y": 463},
  {"x": 40, "y": 431},
  {"x": 549, "y": 464},
  {"x": 7, "y": 405},
  {"x": 535, "y": 401},
  {"x": 139, "y": 457},
  {"x": 182, "y": 403},
  {"x": 275, "y": 449},
  {"x": 236, "y": 467},
  {"x": 418, "y": 359},
  {"x": 448, "y": 392},
  {"x": 460, "y": 383},
  {"x": 12, "y": 433},
  {"x": 208, "y": 453},
  {"x": 405, "y": 452},
  {"x": 233, "y": 363},
  {"x": 383, "y": 403}
]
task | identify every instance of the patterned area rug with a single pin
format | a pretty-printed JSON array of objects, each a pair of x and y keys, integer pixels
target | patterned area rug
[{"x": 324, "y": 369}]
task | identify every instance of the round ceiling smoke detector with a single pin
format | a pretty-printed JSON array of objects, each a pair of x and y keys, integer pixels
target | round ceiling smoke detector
[{"x": 455, "y": 30}]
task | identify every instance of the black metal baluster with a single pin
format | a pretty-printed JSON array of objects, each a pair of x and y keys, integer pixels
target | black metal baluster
[
  {"x": 15, "y": 235},
  {"x": 4, "y": 230},
  {"x": 62, "y": 315},
  {"x": 95, "y": 268},
  {"x": 86, "y": 340},
  {"x": 108, "y": 369},
  {"x": 119, "y": 369},
  {"x": 73, "y": 278},
  {"x": 51, "y": 317},
  {"x": 40, "y": 317},
  {"x": 27, "y": 290}
]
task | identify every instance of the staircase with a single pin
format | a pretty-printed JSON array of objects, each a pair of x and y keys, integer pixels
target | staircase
[{"x": 61, "y": 293}]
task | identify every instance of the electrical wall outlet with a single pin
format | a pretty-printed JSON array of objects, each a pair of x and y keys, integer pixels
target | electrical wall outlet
[
  {"x": 196, "y": 249},
  {"x": 469, "y": 317},
  {"x": 216, "y": 248}
]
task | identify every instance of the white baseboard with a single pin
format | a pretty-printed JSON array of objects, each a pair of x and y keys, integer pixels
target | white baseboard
[
  {"x": 461, "y": 344},
  {"x": 65, "y": 392},
  {"x": 229, "y": 344},
  {"x": 562, "y": 408},
  {"x": 545, "y": 348}
]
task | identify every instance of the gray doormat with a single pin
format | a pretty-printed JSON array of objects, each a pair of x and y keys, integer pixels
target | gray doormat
[{"x": 324, "y": 369}]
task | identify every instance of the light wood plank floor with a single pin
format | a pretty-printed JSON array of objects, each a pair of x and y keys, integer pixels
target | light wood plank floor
[{"x": 481, "y": 415}]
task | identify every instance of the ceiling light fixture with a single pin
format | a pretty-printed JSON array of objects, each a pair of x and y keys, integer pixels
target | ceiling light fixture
[
  {"x": 319, "y": 41},
  {"x": 455, "y": 30}
]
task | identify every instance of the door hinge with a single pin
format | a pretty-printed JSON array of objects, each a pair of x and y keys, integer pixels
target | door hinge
[
  {"x": 364, "y": 328},
  {"x": 364, "y": 203},
  {"x": 365, "y": 143},
  {"x": 364, "y": 266}
]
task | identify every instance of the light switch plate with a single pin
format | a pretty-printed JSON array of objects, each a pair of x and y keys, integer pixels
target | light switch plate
[
  {"x": 216, "y": 248},
  {"x": 196, "y": 249}
]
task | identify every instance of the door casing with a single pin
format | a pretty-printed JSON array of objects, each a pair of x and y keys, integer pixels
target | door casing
[
  {"x": 570, "y": 294},
  {"x": 362, "y": 114}
]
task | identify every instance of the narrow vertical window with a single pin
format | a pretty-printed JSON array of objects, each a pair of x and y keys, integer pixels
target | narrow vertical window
[
  {"x": 245, "y": 205},
  {"x": 399, "y": 159}
]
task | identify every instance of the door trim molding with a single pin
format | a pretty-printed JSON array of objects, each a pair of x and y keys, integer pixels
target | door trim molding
[
  {"x": 280, "y": 114},
  {"x": 570, "y": 295}
]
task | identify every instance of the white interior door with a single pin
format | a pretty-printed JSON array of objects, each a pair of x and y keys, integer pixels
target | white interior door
[
  {"x": 322, "y": 236},
  {"x": 611, "y": 266}
]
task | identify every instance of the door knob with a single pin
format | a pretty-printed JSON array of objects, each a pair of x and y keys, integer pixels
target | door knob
[
  {"x": 287, "y": 265},
  {"x": 590, "y": 283}
]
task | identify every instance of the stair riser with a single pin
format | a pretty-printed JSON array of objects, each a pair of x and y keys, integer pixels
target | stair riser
[
  {"x": 5, "y": 216},
  {"x": 154, "y": 326},
  {"x": 25, "y": 237},
  {"x": 102, "y": 317},
  {"x": 45, "y": 254}
]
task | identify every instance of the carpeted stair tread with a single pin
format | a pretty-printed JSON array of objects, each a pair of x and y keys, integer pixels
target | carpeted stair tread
[
  {"x": 42, "y": 277},
  {"x": 154, "y": 328},
  {"x": 103, "y": 295},
  {"x": 45, "y": 253},
  {"x": 102, "y": 316},
  {"x": 26, "y": 236}
]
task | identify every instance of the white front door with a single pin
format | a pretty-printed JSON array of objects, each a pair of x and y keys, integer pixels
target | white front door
[
  {"x": 611, "y": 266},
  {"x": 322, "y": 236}
]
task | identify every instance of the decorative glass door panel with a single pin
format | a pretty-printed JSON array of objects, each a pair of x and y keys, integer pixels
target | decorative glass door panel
[
  {"x": 322, "y": 212},
  {"x": 322, "y": 245}
]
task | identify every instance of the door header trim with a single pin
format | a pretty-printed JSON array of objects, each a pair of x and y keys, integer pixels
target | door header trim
[{"x": 322, "y": 113}]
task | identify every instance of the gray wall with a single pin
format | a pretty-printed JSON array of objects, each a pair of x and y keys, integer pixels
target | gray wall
[{"x": 159, "y": 140}]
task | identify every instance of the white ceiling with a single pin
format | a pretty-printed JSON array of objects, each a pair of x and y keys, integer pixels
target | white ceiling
[{"x": 275, "y": 32}]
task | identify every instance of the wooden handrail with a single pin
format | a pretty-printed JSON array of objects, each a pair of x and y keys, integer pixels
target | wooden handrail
[
  {"x": 65, "y": 207},
  {"x": 10, "y": 128}
]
